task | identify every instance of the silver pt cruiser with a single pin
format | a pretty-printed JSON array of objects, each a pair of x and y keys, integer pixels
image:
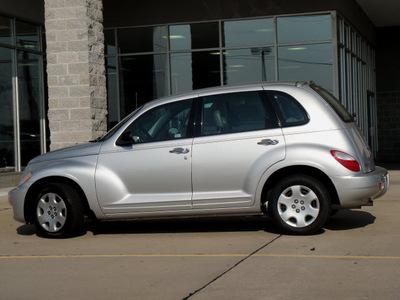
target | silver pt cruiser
[{"x": 289, "y": 150}]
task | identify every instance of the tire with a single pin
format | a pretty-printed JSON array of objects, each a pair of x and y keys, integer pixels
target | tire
[
  {"x": 58, "y": 211},
  {"x": 299, "y": 204},
  {"x": 333, "y": 212}
]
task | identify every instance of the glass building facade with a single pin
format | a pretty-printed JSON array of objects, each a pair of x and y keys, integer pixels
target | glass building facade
[
  {"x": 356, "y": 80},
  {"x": 22, "y": 103},
  {"x": 149, "y": 62},
  {"x": 145, "y": 63}
]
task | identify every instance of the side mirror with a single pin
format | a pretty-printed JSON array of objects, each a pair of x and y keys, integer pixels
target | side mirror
[{"x": 125, "y": 139}]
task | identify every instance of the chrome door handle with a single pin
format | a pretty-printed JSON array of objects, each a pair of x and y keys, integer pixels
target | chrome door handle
[
  {"x": 179, "y": 150},
  {"x": 268, "y": 142}
]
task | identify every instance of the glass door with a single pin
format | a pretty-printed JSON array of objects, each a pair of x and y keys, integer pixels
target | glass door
[{"x": 7, "y": 148}]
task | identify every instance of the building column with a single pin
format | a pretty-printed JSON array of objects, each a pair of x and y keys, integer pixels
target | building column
[{"x": 76, "y": 71}]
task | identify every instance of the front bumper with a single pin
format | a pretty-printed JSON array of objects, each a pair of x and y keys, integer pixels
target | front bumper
[
  {"x": 356, "y": 191},
  {"x": 16, "y": 197}
]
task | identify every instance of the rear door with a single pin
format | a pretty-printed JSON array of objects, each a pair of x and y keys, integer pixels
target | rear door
[{"x": 240, "y": 138}]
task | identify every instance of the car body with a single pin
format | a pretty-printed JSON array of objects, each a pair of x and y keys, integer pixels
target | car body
[{"x": 287, "y": 149}]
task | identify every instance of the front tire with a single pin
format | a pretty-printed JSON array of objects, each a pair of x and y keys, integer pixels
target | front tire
[
  {"x": 58, "y": 211},
  {"x": 299, "y": 204}
]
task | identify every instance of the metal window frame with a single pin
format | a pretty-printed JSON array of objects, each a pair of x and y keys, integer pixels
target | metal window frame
[
  {"x": 15, "y": 91},
  {"x": 356, "y": 69}
]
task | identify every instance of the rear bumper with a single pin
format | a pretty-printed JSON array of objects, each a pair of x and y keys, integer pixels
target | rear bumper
[{"x": 356, "y": 191}]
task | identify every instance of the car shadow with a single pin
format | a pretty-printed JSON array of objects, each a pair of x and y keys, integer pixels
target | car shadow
[
  {"x": 343, "y": 220},
  {"x": 26, "y": 229},
  {"x": 183, "y": 225},
  {"x": 347, "y": 219}
]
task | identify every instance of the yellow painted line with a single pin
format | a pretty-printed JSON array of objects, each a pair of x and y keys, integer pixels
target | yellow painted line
[
  {"x": 195, "y": 255},
  {"x": 329, "y": 256}
]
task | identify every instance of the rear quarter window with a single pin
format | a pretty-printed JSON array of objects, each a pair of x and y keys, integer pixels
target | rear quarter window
[
  {"x": 334, "y": 104},
  {"x": 289, "y": 111}
]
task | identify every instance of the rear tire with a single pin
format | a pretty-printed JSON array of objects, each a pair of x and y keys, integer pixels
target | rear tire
[
  {"x": 299, "y": 204},
  {"x": 58, "y": 211}
]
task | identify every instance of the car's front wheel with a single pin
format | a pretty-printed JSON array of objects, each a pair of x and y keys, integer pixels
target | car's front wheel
[
  {"x": 299, "y": 204},
  {"x": 58, "y": 211}
]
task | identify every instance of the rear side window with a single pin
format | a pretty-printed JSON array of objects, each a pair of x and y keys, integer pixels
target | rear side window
[
  {"x": 334, "y": 103},
  {"x": 289, "y": 111},
  {"x": 237, "y": 112}
]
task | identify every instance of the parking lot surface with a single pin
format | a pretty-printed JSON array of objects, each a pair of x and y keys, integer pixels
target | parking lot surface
[{"x": 355, "y": 256}]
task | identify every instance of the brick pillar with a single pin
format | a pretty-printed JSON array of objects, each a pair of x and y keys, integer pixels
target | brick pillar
[{"x": 76, "y": 71}]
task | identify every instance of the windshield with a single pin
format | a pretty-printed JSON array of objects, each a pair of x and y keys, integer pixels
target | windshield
[
  {"x": 118, "y": 126},
  {"x": 334, "y": 103}
]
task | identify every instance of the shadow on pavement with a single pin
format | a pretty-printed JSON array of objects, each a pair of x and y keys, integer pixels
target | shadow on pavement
[
  {"x": 343, "y": 220},
  {"x": 350, "y": 219},
  {"x": 27, "y": 229},
  {"x": 186, "y": 225}
]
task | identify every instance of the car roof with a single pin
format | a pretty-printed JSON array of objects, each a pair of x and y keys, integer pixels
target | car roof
[{"x": 224, "y": 89}]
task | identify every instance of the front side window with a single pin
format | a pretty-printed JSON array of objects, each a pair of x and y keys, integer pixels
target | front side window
[
  {"x": 165, "y": 122},
  {"x": 236, "y": 112}
]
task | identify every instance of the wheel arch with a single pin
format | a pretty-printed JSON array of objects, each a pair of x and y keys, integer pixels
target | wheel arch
[
  {"x": 35, "y": 188},
  {"x": 299, "y": 170}
]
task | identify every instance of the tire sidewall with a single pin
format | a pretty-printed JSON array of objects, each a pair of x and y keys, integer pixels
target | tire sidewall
[{"x": 317, "y": 187}]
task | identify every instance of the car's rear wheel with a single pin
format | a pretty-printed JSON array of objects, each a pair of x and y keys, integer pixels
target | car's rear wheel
[
  {"x": 58, "y": 211},
  {"x": 299, "y": 204}
]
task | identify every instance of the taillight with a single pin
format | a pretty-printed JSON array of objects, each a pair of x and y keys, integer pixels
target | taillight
[{"x": 346, "y": 160}]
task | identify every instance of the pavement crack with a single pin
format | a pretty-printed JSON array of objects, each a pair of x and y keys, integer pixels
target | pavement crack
[{"x": 231, "y": 268}]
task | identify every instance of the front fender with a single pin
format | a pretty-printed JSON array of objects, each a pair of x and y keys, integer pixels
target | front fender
[{"x": 80, "y": 170}]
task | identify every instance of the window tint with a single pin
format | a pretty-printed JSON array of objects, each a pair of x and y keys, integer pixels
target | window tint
[
  {"x": 304, "y": 28},
  {"x": 334, "y": 103},
  {"x": 289, "y": 111},
  {"x": 236, "y": 112},
  {"x": 194, "y": 36},
  {"x": 166, "y": 122}
]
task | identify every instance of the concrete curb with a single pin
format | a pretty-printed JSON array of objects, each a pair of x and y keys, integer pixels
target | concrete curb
[{"x": 4, "y": 191}]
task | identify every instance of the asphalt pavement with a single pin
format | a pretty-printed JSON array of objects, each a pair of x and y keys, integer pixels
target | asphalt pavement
[{"x": 355, "y": 256}]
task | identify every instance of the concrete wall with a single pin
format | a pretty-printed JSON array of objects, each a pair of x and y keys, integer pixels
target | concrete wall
[{"x": 76, "y": 72}]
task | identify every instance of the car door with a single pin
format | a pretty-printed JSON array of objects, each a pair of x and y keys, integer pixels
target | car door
[
  {"x": 152, "y": 173},
  {"x": 240, "y": 139}
]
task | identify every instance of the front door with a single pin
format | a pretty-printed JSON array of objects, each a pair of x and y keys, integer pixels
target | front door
[{"x": 153, "y": 173}]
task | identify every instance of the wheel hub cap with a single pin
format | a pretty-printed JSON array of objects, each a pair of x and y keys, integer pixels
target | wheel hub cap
[
  {"x": 51, "y": 212},
  {"x": 298, "y": 206}
]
